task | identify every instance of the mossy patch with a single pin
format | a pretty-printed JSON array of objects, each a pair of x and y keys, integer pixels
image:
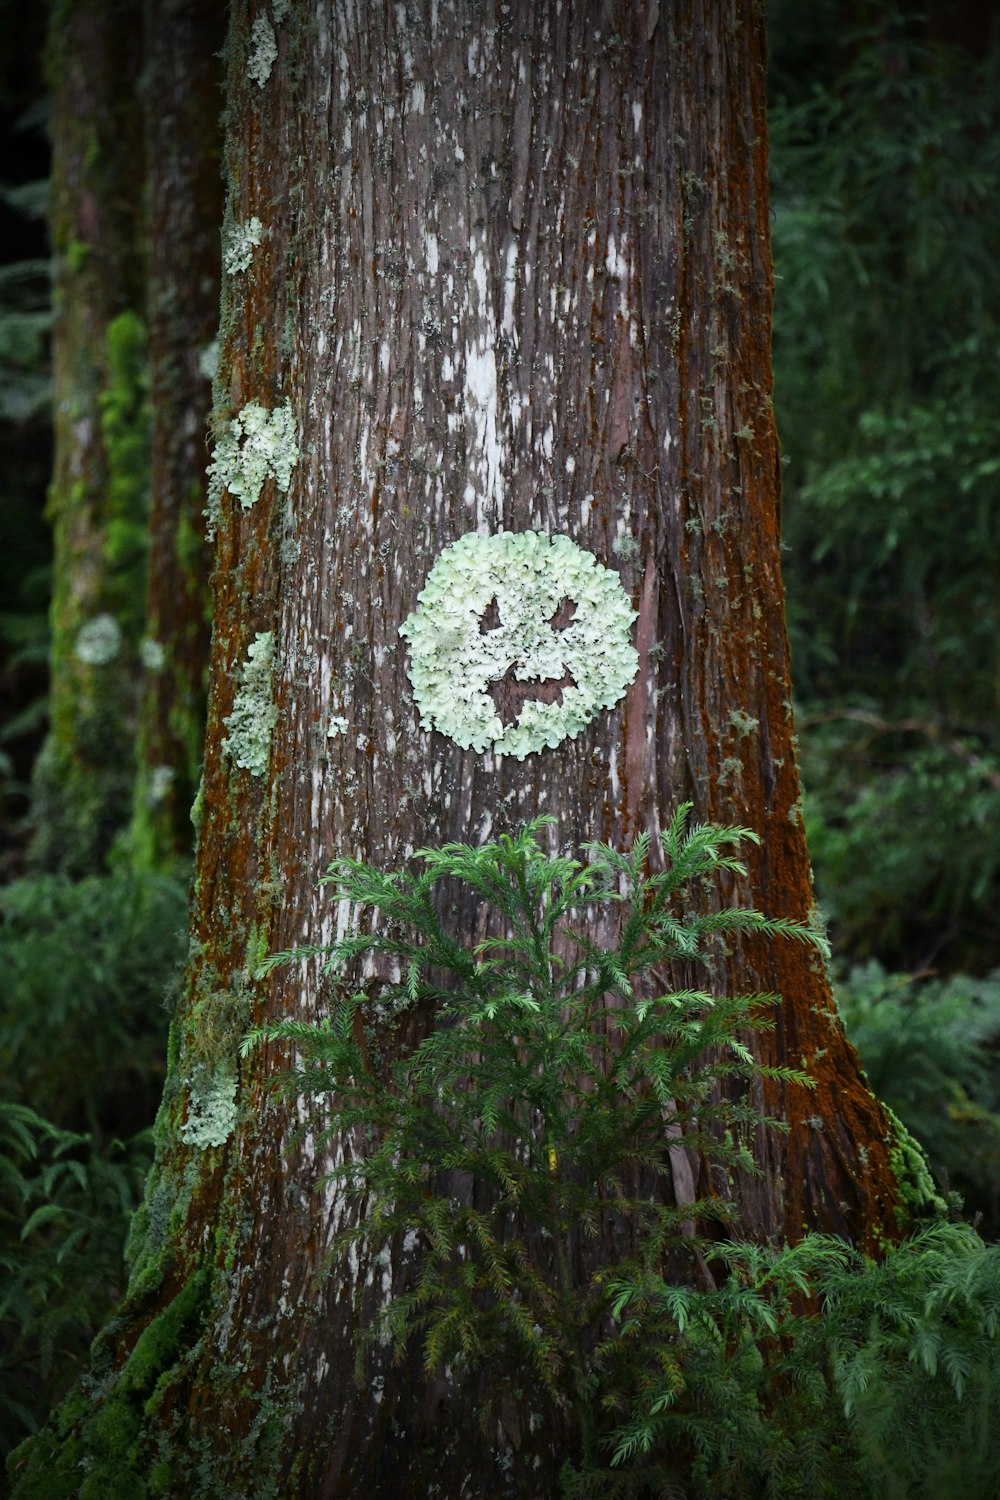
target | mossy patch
[{"x": 106, "y": 1461}]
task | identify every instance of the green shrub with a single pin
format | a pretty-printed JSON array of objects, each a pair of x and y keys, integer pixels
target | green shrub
[
  {"x": 84, "y": 967},
  {"x": 497, "y": 1159},
  {"x": 813, "y": 1372},
  {"x": 542, "y": 1119},
  {"x": 65, "y": 1206},
  {"x": 929, "y": 1047}
]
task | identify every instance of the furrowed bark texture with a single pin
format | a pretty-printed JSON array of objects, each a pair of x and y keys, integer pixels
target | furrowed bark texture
[
  {"x": 183, "y": 103},
  {"x": 515, "y": 275},
  {"x": 83, "y": 780}
]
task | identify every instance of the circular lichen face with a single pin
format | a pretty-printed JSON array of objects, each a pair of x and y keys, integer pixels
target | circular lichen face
[{"x": 519, "y": 640}]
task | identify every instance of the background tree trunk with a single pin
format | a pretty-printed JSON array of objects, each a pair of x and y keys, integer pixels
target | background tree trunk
[
  {"x": 183, "y": 40},
  {"x": 98, "y": 502},
  {"x": 511, "y": 271}
]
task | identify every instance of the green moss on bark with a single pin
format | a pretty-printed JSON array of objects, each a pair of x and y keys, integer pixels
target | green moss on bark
[{"x": 95, "y": 1446}]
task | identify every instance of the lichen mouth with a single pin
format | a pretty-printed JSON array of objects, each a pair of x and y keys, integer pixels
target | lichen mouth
[{"x": 509, "y": 694}]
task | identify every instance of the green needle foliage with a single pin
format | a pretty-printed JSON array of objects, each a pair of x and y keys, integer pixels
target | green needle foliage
[
  {"x": 812, "y": 1372},
  {"x": 498, "y": 1155}
]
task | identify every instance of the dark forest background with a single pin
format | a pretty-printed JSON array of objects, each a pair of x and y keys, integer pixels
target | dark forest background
[{"x": 885, "y": 136}]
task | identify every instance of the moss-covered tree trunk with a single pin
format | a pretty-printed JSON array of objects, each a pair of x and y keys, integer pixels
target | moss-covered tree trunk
[
  {"x": 488, "y": 267},
  {"x": 183, "y": 104},
  {"x": 99, "y": 496}
]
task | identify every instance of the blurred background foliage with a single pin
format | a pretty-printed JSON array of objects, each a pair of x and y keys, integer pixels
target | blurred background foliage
[
  {"x": 87, "y": 966},
  {"x": 25, "y": 416},
  {"x": 885, "y": 134},
  {"x": 887, "y": 331}
]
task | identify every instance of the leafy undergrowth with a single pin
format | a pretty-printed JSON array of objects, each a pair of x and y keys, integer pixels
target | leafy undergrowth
[{"x": 495, "y": 1157}]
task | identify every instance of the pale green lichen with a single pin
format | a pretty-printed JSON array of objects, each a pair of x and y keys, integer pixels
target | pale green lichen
[
  {"x": 161, "y": 779},
  {"x": 241, "y": 242},
  {"x": 263, "y": 51},
  {"x": 256, "y": 445},
  {"x": 338, "y": 726},
  {"x": 212, "y": 1106},
  {"x": 454, "y": 657},
  {"x": 152, "y": 654},
  {"x": 208, "y": 360},
  {"x": 743, "y": 723},
  {"x": 252, "y": 720},
  {"x": 99, "y": 641}
]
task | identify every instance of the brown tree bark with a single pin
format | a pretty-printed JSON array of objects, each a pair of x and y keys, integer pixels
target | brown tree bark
[
  {"x": 183, "y": 99},
  {"x": 511, "y": 272}
]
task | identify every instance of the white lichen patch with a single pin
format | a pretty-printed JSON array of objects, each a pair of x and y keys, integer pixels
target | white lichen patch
[
  {"x": 241, "y": 242},
  {"x": 208, "y": 360},
  {"x": 152, "y": 654},
  {"x": 491, "y": 611},
  {"x": 99, "y": 641},
  {"x": 212, "y": 1107},
  {"x": 338, "y": 726},
  {"x": 161, "y": 779},
  {"x": 255, "y": 445},
  {"x": 263, "y": 51},
  {"x": 252, "y": 720}
]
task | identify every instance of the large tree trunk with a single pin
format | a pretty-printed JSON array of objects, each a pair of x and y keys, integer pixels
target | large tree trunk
[{"x": 512, "y": 272}]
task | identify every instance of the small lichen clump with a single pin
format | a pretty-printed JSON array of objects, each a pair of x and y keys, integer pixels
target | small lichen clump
[
  {"x": 152, "y": 654},
  {"x": 99, "y": 641},
  {"x": 256, "y": 445},
  {"x": 241, "y": 242},
  {"x": 263, "y": 51},
  {"x": 526, "y": 576},
  {"x": 212, "y": 1110},
  {"x": 252, "y": 720},
  {"x": 161, "y": 779},
  {"x": 208, "y": 360}
]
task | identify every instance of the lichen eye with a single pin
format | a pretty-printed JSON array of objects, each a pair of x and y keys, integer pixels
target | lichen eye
[
  {"x": 490, "y": 618},
  {"x": 564, "y": 615}
]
